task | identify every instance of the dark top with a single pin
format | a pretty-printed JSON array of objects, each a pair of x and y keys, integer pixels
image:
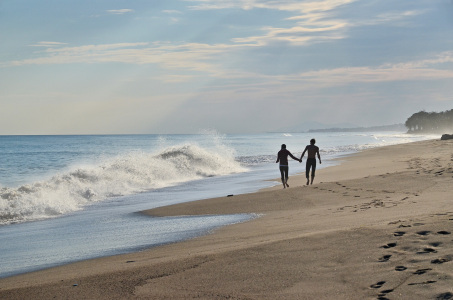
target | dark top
[
  {"x": 312, "y": 151},
  {"x": 282, "y": 157}
]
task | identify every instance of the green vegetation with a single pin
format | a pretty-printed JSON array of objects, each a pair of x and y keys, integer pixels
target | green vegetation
[{"x": 432, "y": 122}]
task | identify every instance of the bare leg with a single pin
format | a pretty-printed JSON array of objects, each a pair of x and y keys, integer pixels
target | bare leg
[
  {"x": 313, "y": 177},
  {"x": 284, "y": 176}
]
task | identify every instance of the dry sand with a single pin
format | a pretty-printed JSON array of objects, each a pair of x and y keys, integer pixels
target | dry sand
[{"x": 378, "y": 226}]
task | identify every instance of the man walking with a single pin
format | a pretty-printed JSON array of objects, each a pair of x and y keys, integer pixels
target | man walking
[{"x": 311, "y": 160}]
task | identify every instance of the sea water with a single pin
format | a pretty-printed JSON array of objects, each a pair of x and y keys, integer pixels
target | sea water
[{"x": 70, "y": 198}]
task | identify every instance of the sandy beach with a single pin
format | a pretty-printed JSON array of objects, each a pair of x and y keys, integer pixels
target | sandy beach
[{"x": 377, "y": 226}]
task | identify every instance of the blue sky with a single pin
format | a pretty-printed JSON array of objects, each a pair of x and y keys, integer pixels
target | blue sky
[{"x": 136, "y": 66}]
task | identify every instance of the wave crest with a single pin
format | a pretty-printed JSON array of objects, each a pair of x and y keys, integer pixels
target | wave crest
[{"x": 127, "y": 174}]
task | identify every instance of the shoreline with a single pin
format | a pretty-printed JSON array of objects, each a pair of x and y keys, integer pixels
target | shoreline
[{"x": 322, "y": 241}]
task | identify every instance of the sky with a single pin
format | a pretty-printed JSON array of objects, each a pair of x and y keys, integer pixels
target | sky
[{"x": 235, "y": 66}]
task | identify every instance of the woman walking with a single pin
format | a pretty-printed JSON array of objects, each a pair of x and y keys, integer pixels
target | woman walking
[{"x": 282, "y": 157}]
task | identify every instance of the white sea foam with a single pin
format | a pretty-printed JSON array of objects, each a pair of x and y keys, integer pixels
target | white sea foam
[{"x": 123, "y": 175}]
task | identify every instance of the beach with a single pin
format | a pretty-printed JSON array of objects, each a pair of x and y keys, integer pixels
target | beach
[{"x": 376, "y": 226}]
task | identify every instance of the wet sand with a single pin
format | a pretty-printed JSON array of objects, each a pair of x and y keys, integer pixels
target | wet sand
[{"x": 377, "y": 226}]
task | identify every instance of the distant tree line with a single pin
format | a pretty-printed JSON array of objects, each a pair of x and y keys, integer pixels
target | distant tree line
[{"x": 432, "y": 122}]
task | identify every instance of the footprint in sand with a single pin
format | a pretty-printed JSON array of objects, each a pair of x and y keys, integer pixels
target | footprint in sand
[
  {"x": 424, "y": 282},
  {"x": 384, "y": 258},
  {"x": 400, "y": 268},
  {"x": 435, "y": 244},
  {"x": 443, "y": 232},
  {"x": 383, "y": 293},
  {"x": 427, "y": 250},
  {"x": 404, "y": 226},
  {"x": 445, "y": 296},
  {"x": 389, "y": 245},
  {"x": 421, "y": 271},
  {"x": 377, "y": 285},
  {"x": 399, "y": 233},
  {"x": 439, "y": 261},
  {"x": 425, "y": 232}
]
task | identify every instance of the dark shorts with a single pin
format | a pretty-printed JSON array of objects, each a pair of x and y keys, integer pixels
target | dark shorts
[
  {"x": 311, "y": 163},
  {"x": 284, "y": 172}
]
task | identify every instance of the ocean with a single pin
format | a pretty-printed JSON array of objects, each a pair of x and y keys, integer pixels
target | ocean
[{"x": 70, "y": 198}]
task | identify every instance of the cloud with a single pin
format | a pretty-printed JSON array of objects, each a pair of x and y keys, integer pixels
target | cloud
[
  {"x": 83, "y": 54},
  {"x": 285, "y": 5},
  {"x": 395, "y": 18},
  {"x": 174, "y": 78},
  {"x": 423, "y": 70},
  {"x": 298, "y": 35},
  {"x": 48, "y": 44},
  {"x": 203, "y": 59},
  {"x": 439, "y": 59},
  {"x": 192, "y": 56},
  {"x": 314, "y": 20},
  {"x": 385, "y": 73},
  {"x": 120, "y": 11},
  {"x": 169, "y": 11}
]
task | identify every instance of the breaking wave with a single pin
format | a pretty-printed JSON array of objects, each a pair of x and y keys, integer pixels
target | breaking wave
[{"x": 123, "y": 175}]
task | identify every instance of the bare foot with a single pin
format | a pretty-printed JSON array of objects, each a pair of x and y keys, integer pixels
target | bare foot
[
  {"x": 287, "y": 185},
  {"x": 308, "y": 182}
]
